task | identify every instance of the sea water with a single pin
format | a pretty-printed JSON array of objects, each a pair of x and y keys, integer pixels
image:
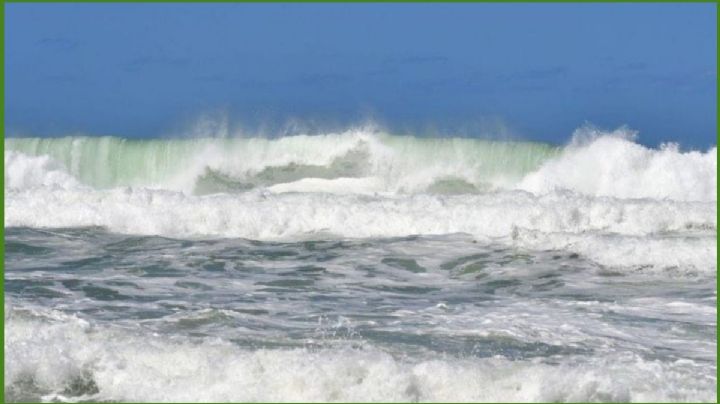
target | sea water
[{"x": 359, "y": 266}]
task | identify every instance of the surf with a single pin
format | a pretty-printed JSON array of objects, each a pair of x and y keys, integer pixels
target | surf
[{"x": 363, "y": 161}]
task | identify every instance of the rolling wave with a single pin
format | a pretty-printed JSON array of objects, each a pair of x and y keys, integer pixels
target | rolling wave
[
  {"x": 603, "y": 191},
  {"x": 608, "y": 164}
]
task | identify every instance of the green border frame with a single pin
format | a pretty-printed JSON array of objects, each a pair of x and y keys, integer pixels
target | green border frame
[
  {"x": 361, "y": 1},
  {"x": 2, "y": 87}
]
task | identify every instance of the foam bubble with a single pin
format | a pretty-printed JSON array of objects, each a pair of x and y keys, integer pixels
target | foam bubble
[
  {"x": 604, "y": 196},
  {"x": 596, "y": 163},
  {"x": 612, "y": 165},
  {"x": 611, "y": 231},
  {"x": 71, "y": 360},
  {"x": 26, "y": 172}
]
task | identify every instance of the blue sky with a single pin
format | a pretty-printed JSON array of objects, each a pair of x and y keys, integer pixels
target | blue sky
[{"x": 531, "y": 71}]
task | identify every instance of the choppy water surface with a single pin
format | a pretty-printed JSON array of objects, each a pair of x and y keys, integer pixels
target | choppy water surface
[
  {"x": 359, "y": 267},
  {"x": 484, "y": 321}
]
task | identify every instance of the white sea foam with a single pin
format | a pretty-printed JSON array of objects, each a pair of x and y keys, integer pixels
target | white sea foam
[
  {"x": 602, "y": 164},
  {"x": 603, "y": 196},
  {"x": 611, "y": 231},
  {"x": 27, "y": 172},
  {"x": 612, "y": 165},
  {"x": 64, "y": 358}
]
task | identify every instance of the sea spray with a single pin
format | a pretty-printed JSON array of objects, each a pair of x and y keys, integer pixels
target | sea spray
[{"x": 359, "y": 266}]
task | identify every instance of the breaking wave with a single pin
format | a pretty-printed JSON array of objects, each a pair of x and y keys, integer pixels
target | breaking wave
[
  {"x": 603, "y": 195},
  {"x": 606, "y": 164}
]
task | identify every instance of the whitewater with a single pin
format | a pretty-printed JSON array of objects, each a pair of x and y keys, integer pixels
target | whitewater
[{"x": 359, "y": 266}]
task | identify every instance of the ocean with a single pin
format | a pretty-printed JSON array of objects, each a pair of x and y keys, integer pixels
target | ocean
[{"x": 359, "y": 266}]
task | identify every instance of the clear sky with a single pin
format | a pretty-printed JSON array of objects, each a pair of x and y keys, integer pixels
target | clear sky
[{"x": 533, "y": 71}]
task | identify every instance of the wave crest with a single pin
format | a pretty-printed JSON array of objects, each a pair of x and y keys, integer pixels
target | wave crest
[
  {"x": 594, "y": 163},
  {"x": 613, "y": 165}
]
